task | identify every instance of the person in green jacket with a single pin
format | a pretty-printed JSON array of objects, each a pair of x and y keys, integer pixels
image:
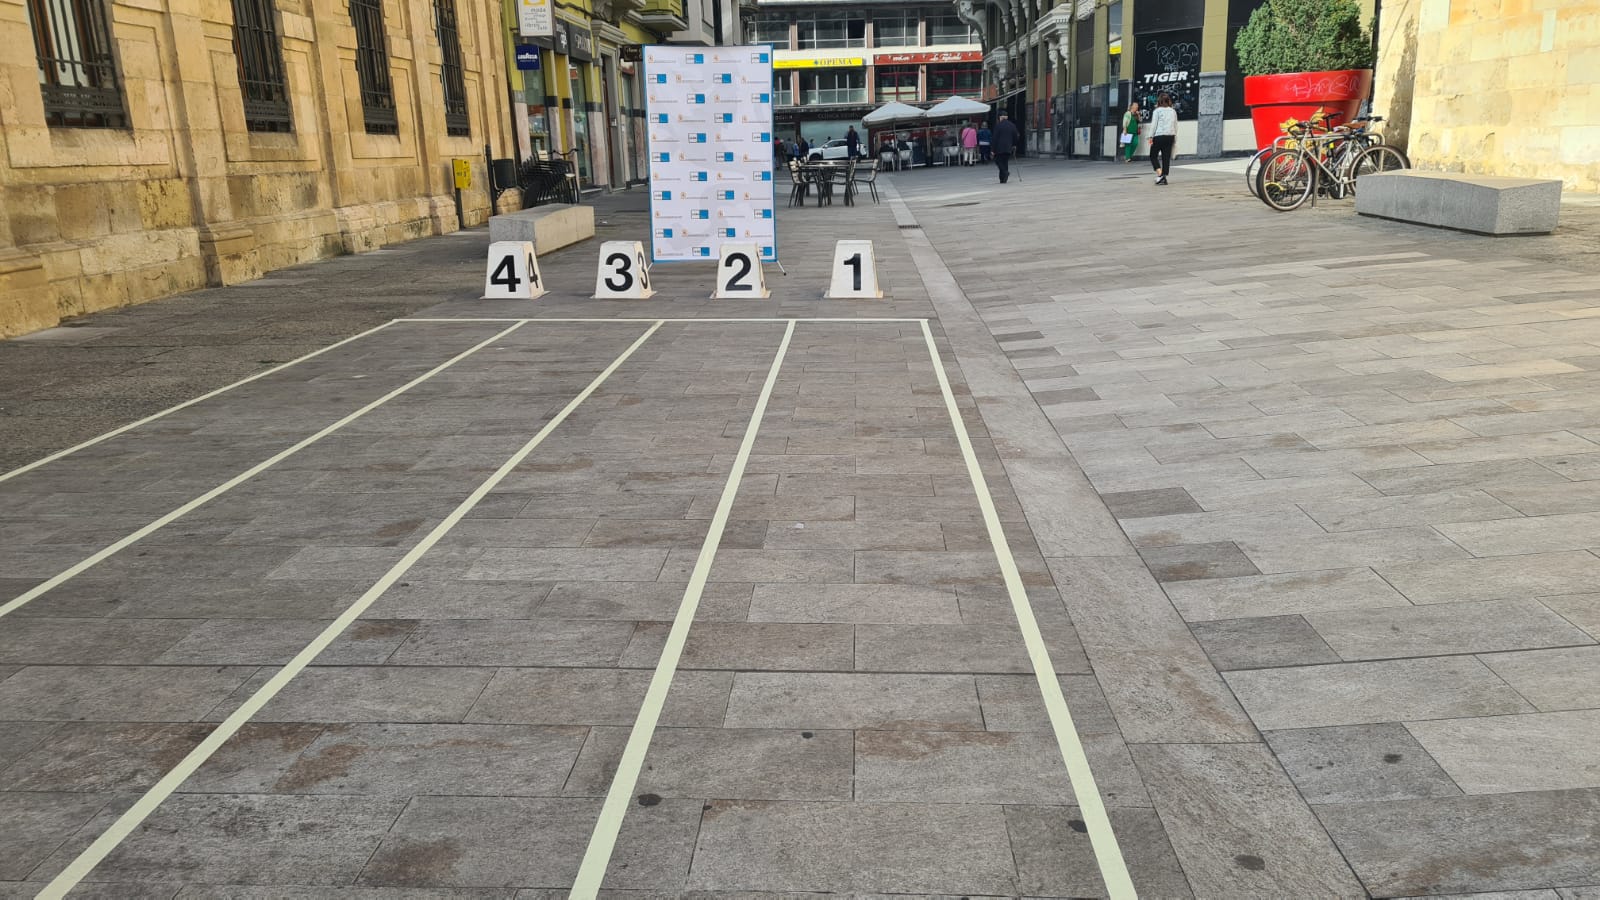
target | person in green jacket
[{"x": 1130, "y": 131}]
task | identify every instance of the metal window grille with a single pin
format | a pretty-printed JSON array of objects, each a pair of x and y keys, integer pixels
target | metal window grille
[
  {"x": 372, "y": 67},
  {"x": 261, "y": 75},
  {"x": 77, "y": 72},
  {"x": 455, "y": 89}
]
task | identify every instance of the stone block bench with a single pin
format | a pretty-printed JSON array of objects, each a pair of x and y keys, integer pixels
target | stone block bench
[
  {"x": 1485, "y": 204},
  {"x": 549, "y": 227}
]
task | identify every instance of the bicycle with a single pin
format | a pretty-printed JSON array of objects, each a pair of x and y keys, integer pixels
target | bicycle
[
  {"x": 1295, "y": 130},
  {"x": 1332, "y": 163}
]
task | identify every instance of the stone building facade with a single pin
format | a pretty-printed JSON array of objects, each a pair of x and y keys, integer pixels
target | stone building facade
[
  {"x": 149, "y": 147},
  {"x": 1498, "y": 87}
]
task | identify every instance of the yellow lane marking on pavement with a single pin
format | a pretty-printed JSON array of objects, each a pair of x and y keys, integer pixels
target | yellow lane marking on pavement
[
  {"x": 103, "y": 554},
  {"x": 184, "y": 405},
  {"x": 604, "y": 839},
  {"x": 85, "y": 862},
  {"x": 1113, "y": 870}
]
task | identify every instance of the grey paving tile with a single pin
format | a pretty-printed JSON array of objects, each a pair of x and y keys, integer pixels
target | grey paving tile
[
  {"x": 36, "y": 824},
  {"x": 351, "y": 892},
  {"x": 1515, "y": 537},
  {"x": 50, "y": 641},
  {"x": 1536, "y": 575},
  {"x": 1156, "y": 678},
  {"x": 1285, "y": 594},
  {"x": 1468, "y": 844},
  {"x": 970, "y": 767},
  {"x": 1359, "y": 763},
  {"x": 1551, "y": 679},
  {"x": 1191, "y": 562},
  {"x": 1348, "y": 549},
  {"x": 1503, "y": 754},
  {"x": 1261, "y": 643},
  {"x": 728, "y": 763},
  {"x": 17, "y": 738},
  {"x": 875, "y": 701},
  {"x": 1552, "y": 499},
  {"x": 1158, "y": 502},
  {"x": 669, "y": 533},
  {"x": 1515, "y": 446},
  {"x": 854, "y": 603},
  {"x": 1062, "y": 509},
  {"x": 226, "y": 838},
  {"x": 852, "y": 536},
  {"x": 992, "y": 648},
  {"x": 1370, "y": 692},
  {"x": 488, "y": 642},
  {"x": 585, "y": 564},
  {"x": 1432, "y": 479},
  {"x": 631, "y": 601},
  {"x": 1055, "y": 858},
  {"x": 1238, "y": 825},
  {"x": 1233, "y": 525},
  {"x": 367, "y": 694},
  {"x": 1444, "y": 628},
  {"x": 1276, "y": 491},
  {"x": 749, "y": 646},
  {"x": 1416, "y": 509},
  {"x": 598, "y": 697},
  {"x": 744, "y": 566},
  {"x": 116, "y": 693},
  {"x": 847, "y": 847},
  {"x": 276, "y": 641},
  {"x": 119, "y": 756},
  {"x": 509, "y": 842},
  {"x": 1014, "y": 703}
]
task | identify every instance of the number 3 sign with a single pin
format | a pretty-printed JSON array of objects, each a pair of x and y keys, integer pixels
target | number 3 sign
[
  {"x": 513, "y": 272},
  {"x": 624, "y": 272},
  {"x": 739, "y": 274}
]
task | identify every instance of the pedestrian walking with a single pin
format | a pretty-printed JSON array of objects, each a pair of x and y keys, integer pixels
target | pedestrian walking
[
  {"x": 802, "y": 149},
  {"x": 780, "y": 152},
  {"x": 1004, "y": 142},
  {"x": 984, "y": 138},
  {"x": 1163, "y": 134},
  {"x": 969, "y": 145},
  {"x": 852, "y": 143},
  {"x": 1130, "y": 132}
]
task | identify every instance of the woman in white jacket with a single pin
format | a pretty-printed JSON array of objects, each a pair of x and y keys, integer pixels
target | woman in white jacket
[{"x": 1163, "y": 134}]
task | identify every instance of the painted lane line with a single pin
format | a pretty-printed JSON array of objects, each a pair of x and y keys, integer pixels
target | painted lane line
[
  {"x": 677, "y": 321},
  {"x": 105, "y": 553},
  {"x": 604, "y": 839},
  {"x": 102, "y": 847},
  {"x": 185, "y": 405},
  {"x": 1107, "y": 853}
]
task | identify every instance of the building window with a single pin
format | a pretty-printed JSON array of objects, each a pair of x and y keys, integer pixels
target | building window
[
  {"x": 948, "y": 81},
  {"x": 895, "y": 29},
  {"x": 372, "y": 67},
  {"x": 950, "y": 30},
  {"x": 823, "y": 31},
  {"x": 828, "y": 86},
  {"x": 782, "y": 88},
  {"x": 770, "y": 29},
  {"x": 260, "y": 61},
  {"x": 455, "y": 89},
  {"x": 897, "y": 83},
  {"x": 77, "y": 72}
]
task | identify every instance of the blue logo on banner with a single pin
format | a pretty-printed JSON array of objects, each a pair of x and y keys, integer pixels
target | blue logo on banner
[
  {"x": 697, "y": 98},
  {"x": 763, "y": 98},
  {"x": 727, "y": 195},
  {"x": 725, "y": 78},
  {"x": 766, "y": 214},
  {"x": 727, "y": 157},
  {"x": 762, "y": 57},
  {"x": 703, "y": 251},
  {"x": 702, "y": 214},
  {"x": 766, "y": 137},
  {"x": 697, "y": 58},
  {"x": 769, "y": 252},
  {"x": 698, "y": 176},
  {"x": 666, "y": 157},
  {"x": 766, "y": 176},
  {"x": 699, "y": 137},
  {"x": 662, "y": 119},
  {"x": 730, "y": 232},
  {"x": 725, "y": 117},
  {"x": 661, "y": 79},
  {"x": 528, "y": 57},
  {"x": 665, "y": 232},
  {"x": 664, "y": 195}
]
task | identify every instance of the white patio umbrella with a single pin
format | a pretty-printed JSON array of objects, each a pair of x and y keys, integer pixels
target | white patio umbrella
[
  {"x": 957, "y": 108},
  {"x": 893, "y": 113}
]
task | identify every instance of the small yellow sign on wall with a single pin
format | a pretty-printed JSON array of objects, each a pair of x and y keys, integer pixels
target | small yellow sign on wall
[{"x": 463, "y": 170}]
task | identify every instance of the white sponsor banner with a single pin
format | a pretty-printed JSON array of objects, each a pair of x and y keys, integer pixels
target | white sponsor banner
[
  {"x": 709, "y": 111},
  {"x": 535, "y": 18}
]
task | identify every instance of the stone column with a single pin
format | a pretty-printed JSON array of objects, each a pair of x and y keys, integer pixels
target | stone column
[{"x": 1209, "y": 144}]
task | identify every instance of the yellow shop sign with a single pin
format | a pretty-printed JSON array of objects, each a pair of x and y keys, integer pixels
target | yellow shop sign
[{"x": 823, "y": 62}]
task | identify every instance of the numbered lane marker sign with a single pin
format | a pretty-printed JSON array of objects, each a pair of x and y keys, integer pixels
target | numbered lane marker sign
[
  {"x": 513, "y": 272},
  {"x": 855, "y": 272},
  {"x": 739, "y": 274},
  {"x": 624, "y": 272}
]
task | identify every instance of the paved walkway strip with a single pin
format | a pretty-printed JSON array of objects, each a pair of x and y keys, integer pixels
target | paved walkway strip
[
  {"x": 1113, "y": 869},
  {"x": 184, "y": 405},
  {"x": 134, "y": 537},
  {"x": 147, "y": 804},
  {"x": 604, "y": 839}
]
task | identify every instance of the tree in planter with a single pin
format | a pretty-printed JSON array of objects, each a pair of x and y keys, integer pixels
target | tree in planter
[{"x": 1304, "y": 36}]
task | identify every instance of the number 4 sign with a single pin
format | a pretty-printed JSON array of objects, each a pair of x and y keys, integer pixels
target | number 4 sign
[
  {"x": 739, "y": 274},
  {"x": 624, "y": 273},
  {"x": 855, "y": 272},
  {"x": 513, "y": 272}
]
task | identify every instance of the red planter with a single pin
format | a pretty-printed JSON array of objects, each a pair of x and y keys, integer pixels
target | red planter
[{"x": 1274, "y": 99}]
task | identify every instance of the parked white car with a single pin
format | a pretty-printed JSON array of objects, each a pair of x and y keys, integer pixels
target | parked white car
[{"x": 838, "y": 148}]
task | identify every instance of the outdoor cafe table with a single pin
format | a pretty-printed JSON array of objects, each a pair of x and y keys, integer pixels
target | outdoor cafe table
[{"x": 822, "y": 174}]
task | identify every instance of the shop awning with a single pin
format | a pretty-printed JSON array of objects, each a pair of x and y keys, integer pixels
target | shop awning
[
  {"x": 957, "y": 108},
  {"x": 894, "y": 113}
]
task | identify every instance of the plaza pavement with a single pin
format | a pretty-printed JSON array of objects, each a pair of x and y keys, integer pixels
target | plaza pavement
[{"x": 1258, "y": 562}]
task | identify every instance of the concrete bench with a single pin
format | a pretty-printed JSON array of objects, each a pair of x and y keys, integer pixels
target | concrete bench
[
  {"x": 549, "y": 227},
  {"x": 1485, "y": 204}
]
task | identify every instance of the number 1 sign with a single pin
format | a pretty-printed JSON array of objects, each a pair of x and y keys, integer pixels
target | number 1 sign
[
  {"x": 513, "y": 272},
  {"x": 739, "y": 274},
  {"x": 855, "y": 272}
]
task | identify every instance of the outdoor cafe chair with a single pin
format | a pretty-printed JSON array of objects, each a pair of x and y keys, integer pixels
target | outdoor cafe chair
[{"x": 867, "y": 174}]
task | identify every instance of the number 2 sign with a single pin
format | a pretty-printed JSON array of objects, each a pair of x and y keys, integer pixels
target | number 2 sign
[
  {"x": 855, "y": 272},
  {"x": 513, "y": 272},
  {"x": 739, "y": 274},
  {"x": 624, "y": 272}
]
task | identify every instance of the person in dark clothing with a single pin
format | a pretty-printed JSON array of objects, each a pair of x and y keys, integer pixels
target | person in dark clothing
[
  {"x": 803, "y": 150},
  {"x": 852, "y": 142},
  {"x": 1004, "y": 143}
]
